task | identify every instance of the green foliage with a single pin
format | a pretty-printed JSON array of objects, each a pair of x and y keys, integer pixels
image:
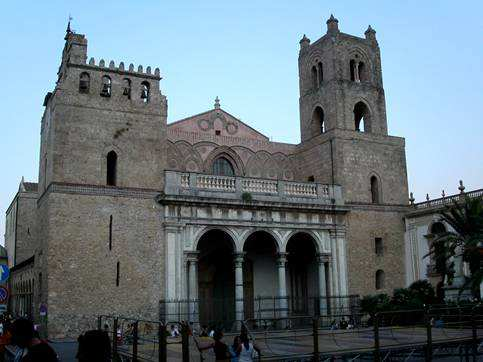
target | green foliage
[
  {"x": 247, "y": 197},
  {"x": 372, "y": 304},
  {"x": 466, "y": 219},
  {"x": 423, "y": 291}
]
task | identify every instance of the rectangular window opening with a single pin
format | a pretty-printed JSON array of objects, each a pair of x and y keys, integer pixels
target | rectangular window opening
[
  {"x": 110, "y": 232},
  {"x": 379, "y": 246},
  {"x": 117, "y": 274}
]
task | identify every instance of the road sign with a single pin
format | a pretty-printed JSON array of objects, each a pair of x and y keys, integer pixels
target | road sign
[
  {"x": 3, "y": 295},
  {"x": 4, "y": 273}
]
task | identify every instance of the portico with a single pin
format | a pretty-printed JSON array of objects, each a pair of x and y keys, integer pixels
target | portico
[{"x": 277, "y": 255}]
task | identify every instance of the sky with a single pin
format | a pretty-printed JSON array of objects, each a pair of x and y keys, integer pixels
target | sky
[{"x": 245, "y": 52}]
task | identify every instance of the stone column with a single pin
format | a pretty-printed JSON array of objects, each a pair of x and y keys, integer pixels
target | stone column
[
  {"x": 356, "y": 72},
  {"x": 282, "y": 285},
  {"x": 192, "y": 260},
  {"x": 322, "y": 259},
  {"x": 238, "y": 259}
]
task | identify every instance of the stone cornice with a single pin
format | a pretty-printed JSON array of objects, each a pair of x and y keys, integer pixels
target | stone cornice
[
  {"x": 98, "y": 190},
  {"x": 257, "y": 205}
]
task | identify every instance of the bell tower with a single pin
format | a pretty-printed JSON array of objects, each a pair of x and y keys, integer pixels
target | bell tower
[{"x": 341, "y": 83}]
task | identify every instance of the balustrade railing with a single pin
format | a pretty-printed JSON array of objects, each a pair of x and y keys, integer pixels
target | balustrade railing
[
  {"x": 448, "y": 199},
  {"x": 260, "y": 185},
  {"x": 187, "y": 182},
  {"x": 301, "y": 189}
]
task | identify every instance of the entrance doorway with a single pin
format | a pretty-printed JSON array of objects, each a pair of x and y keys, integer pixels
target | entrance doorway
[{"x": 216, "y": 279}]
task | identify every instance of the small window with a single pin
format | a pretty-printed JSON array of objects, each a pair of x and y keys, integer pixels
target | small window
[
  {"x": 375, "y": 197},
  {"x": 127, "y": 88},
  {"x": 361, "y": 117},
  {"x": 379, "y": 246},
  {"x": 84, "y": 83},
  {"x": 318, "y": 121},
  {"x": 111, "y": 168},
  {"x": 223, "y": 167},
  {"x": 145, "y": 92},
  {"x": 106, "y": 86},
  {"x": 118, "y": 267},
  {"x": 380, "y": 282},
  {"x": 352, "y": 65},
  {"x": 361, "y": 72},
  {"x": 320, "y": 70},
  {"x": 314, "y": 78},
  {"x": 217, "y": 132},
  {"x": 311, "y": 179},
  {"x": 110, "y": 232}
]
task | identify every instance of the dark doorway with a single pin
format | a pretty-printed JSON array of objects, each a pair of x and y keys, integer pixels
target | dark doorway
[{"x": 216, "y": 279}]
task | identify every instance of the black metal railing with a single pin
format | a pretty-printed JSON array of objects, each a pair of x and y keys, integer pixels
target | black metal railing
[{"x": 431, "y": 333}]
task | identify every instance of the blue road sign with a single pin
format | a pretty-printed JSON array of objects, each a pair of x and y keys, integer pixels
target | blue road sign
[
  {"x": 4, "y": 273},
  {"x": 3, "y": 295}
]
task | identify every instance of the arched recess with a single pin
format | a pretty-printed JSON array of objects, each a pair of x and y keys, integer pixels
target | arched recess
[
  {"x": 216, "y": 277},
  {"x": 318, "y": 121},
  {"x": 302, "y": 277},
  {"x": 227, "y": 153},
  {"x": 362, "y": 117},
  {"x": 260, "y": 276},
  {"x": 376, "y": 189},
  {"x": 437, "y": 257}
]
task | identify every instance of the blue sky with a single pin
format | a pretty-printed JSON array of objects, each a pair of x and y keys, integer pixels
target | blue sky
[{"x": 246, "y": 52}]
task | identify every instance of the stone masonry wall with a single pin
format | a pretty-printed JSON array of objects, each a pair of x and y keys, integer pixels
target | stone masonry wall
[
  {"x": 364, "y": 225},
  {"x": 82, "y": 269}
]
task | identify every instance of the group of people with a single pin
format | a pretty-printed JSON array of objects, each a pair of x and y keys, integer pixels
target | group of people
[
  {"x": 20, "y": 342},
  {"x": 242, "y": 350}
]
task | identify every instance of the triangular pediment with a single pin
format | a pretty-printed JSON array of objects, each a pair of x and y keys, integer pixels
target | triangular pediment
[{"x": 219, "y": 123}]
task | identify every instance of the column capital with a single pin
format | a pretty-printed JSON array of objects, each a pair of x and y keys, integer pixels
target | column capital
[
  {"x": 282, "y": 259},
  {"x": 323, "y": 258},
  {"x": 238, "y": 258},
  {"x": 337, "y": 233},
  {"x": 191, "y": 256}
]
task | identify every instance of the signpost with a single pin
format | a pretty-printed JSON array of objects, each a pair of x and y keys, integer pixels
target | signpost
[
  {"x": 4, "y": 273},
  {"x": 3, "y": 295}
]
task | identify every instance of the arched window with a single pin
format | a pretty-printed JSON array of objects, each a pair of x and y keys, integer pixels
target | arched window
[
  {"x": 352, "y": 67},
  {"x": 380, "y": 279},
  {"x": 318, "y": 121},
  {"x": 111, "y": 168},
  {"x": 375, "y": 195},
  {"x": 320, "y": 69},
  {"x": 223, "y": 167},
  {"x": 362, "y": 117},
  {"x": 127, "y": 88},
  {"x": 361, "y": 72},
  {"x": 145, "y": 92},
  {"x": 314, "y": 77},
  {"x": 106, "y": 86},
  {"x": 379, "y": 246},
  {"x": 84, "y": 82}
]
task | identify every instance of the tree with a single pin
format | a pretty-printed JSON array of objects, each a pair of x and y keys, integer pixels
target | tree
[{"x": 465, "y": 240}]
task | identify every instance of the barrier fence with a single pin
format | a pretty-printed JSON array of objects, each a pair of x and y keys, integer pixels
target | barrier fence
[{"x": 428, "y": 334}]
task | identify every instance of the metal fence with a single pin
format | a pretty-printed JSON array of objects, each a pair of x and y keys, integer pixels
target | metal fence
[
  {"x": 429, "y": 334},
  {"x": 221, "y": 312}
]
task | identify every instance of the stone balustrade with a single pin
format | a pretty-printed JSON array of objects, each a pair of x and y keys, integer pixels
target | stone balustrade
[{"x": 204, "y": 185}]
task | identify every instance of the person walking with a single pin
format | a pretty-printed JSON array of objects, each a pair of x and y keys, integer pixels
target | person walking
[
  {"x": 220, "y": 349},
  {"x": 248, "y": 350}
]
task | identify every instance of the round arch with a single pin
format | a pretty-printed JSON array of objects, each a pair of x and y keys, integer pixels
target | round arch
[
  {"x": 231, "y": 233},
  {"x": 276, "y": 238},
  {"x": 313, "y": 236}
]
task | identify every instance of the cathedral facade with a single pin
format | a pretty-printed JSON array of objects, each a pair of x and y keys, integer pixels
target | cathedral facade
[{"x": 130, "y": 211}]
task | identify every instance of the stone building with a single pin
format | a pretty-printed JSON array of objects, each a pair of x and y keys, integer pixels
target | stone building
[
  {"x": 131, "y": 210},
  {"x": 423, "y": 224}
]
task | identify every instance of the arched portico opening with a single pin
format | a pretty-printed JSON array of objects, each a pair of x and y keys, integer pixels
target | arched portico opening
[
  {"x": 216, "y": 278},
  {"x": 259, "y": 269},
  {"x": 302, "y": 273}
]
